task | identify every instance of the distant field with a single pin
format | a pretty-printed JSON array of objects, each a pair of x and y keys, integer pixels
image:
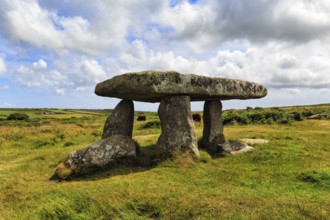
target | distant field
[{"x": 288, "y": 178}]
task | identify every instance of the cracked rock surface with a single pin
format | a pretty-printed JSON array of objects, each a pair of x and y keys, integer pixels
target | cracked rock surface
[
  {"x": 120, "y": 121},
  {"x": 178, "y": 130},
  {"x": 97, "y": 155},
  {"x": 152, "y": 86}
]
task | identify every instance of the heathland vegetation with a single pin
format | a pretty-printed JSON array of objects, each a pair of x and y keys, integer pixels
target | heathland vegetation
[{"x": 286, "y": 178}]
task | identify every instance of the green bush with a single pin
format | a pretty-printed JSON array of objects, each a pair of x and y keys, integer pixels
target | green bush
[
  {"x": 18, "y": 116},
  {"x": 260, "y": 116},
  {"x": 234, "y": 118},
  {"x": 152, "y": 124},
  {"x": 285, "y": 122},
  {"x": 255, "y": 117},
  {"x": 274, "y": 115},
  {"x": 307, "y": 113},
  {"x": 297, "y": 116}
]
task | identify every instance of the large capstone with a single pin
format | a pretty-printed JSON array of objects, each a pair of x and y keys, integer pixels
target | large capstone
[
  {"x": 97, "y": 155},
  {"x": 120, "y": 121},
  {"x": 213, "y": 126},
  {"x": 178, "y": 130},
  {"x": 152, "y": 86}
]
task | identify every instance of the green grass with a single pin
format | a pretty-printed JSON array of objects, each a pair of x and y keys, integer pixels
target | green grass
[{"x": 288, "y": 178}]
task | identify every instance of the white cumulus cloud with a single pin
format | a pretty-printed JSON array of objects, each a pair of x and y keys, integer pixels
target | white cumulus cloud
[
  {"x": 2, "y": 65},
  {"x": 40, "y": 64},
  {"x": 69, "y": 47}
]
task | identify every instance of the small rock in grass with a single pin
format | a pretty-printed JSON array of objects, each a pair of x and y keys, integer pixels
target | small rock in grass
[{"x": 235, "y": 147}]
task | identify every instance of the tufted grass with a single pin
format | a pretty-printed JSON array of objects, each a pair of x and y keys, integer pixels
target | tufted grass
[{"x": 288, "y": 178}]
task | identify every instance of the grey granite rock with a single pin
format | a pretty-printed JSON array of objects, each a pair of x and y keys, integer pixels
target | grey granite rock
[
  {"x": 120, "y": 121},
  {"x": 178, "y": 130},
  {"x": 235, "y": 147},
  {"x": 97, "y": 155},
  {"x": 152, "y": 86},
  {"x": 213, "y": 126}
]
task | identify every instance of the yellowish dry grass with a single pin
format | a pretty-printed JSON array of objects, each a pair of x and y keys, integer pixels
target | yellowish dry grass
[{"x": 288, "y": 178}]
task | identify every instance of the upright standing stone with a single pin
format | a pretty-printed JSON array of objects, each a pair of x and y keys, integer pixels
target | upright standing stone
[
  {"x": 213, "y": 126},
  {"x": 178, "y": 130},
  {"x": 120, "y": 121}
]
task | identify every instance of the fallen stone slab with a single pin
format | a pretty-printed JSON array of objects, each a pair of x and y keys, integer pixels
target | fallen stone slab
[
  {"x": 235, "y": 147},
  {"x": 98, "y": 155},
  {"x": 254, "y": 141},
  {"x": 153, "y": 86}
]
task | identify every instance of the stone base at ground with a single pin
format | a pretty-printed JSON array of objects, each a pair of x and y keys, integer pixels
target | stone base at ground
[
  {"x": 213, "y": 127},
  {"x": 235, "y": 147},
  {"x": 97, "y": 155},
  {"x": 178, "y": 130}
]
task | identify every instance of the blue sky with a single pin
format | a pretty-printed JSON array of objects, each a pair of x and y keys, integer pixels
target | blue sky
[{"x": 53, "y": 52}]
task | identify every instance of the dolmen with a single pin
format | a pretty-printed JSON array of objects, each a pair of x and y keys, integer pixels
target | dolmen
[{"x": 174, "y": 92}]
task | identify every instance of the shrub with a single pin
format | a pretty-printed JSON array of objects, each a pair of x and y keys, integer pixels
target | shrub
[
  {"x": 285, "y": 122},
  {"x": 196, "y": 117},
  {"x": 234, "y": 118},
  {"x": 141, "y": 118},
  {"x": 307, "y": 113},
  {"x": 297, "y": 116},
  {"x": 18, "y": 116},
  {"x": 255, "y": 117},
  {"x": 152, "y": 124},
  {"x": 274, "y": 115},
  {"x": 228, "y": 119}
]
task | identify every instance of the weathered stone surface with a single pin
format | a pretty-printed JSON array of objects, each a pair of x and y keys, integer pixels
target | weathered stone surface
[
  {"x": 213, "y": 127},
  {"x": 152, "y": 86},
  {"x": 178, "y": 130},
  {"x": 120, "y": 121},
  {"x": 254, "y": 141},
  {"x": 97, "y": 155},
  {"x": 235, "y": 147}
]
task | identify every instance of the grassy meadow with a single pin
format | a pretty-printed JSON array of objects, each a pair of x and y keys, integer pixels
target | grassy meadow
[{"x": 287, "y": 178}]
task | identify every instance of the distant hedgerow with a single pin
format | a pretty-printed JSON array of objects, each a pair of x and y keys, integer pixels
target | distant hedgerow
[{"x": 18, "y": 116}]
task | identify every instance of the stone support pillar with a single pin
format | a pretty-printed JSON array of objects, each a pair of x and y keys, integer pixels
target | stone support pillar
[
  {"x": 120, "y": 121},
  {"x": 178, "y": 130},
  {"x": 213, "y": 126}
]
